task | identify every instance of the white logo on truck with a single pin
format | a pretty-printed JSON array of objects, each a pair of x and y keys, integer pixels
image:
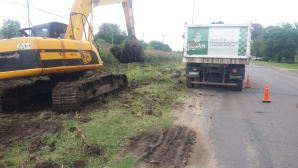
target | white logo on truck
[{"x": 197, "y": 36}]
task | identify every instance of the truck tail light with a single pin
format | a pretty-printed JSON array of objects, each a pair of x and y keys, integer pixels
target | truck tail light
[
  {"x": 234, "y": 71},
  {"x": 194, "y": 69}
]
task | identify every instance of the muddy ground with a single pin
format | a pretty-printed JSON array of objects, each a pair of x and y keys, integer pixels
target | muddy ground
[
  {"x": 166, "y": 149},
  {"x": 18, "y": 129},
  {"x": 180, "y": 145}
]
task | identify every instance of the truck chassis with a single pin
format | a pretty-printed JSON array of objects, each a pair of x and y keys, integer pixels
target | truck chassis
[{"x": 230, "y": 75}]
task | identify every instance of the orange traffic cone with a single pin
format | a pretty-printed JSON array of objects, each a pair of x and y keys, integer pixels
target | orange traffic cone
[
  {"x": 247, "y": 82},
  {"x": 266, "y": 95}
]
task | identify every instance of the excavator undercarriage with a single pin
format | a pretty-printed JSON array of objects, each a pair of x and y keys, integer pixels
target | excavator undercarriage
[
  {"x": 73, "y": 95},
  {"x": 67, "y": 95}
]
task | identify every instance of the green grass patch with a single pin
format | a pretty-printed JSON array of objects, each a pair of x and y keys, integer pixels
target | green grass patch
[{"x": 274, "y": 64}]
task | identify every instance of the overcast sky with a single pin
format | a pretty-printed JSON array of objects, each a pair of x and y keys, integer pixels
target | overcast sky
[{"x": 154, "y": 18}]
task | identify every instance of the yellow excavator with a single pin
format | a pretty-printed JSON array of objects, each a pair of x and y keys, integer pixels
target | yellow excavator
[{"x": 58, "y": 51}]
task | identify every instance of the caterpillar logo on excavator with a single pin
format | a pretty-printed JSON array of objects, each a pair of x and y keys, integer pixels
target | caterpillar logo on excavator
[{"x": 57, "y": 50}]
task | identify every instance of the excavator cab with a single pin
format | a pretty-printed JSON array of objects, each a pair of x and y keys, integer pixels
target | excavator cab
[{"x": 47, "y": 30}]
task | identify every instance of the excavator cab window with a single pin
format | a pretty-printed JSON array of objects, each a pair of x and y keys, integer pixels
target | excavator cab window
[
  {"x": 47, "y": 30},
  {"x": 41, "y": 32}
]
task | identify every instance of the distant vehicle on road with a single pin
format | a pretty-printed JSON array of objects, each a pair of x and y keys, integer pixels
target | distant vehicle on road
[{"x": 253, "y": 57}]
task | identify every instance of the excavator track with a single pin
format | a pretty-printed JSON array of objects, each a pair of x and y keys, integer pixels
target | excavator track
[
  {"x": 13, "y": 97},
  {"x": 70, "y": 96},
  {"x": 1, "y": 108}
]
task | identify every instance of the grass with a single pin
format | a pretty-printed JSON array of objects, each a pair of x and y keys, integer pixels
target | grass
[
  {"x": 117, "y": 117},
  {"x": 279, "y": 65}
]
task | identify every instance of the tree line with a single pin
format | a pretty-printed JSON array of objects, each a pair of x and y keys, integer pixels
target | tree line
[
  {"x": 275, "y": 43},
  {"x": 108, "y": 33},
  {"x": 112, "y": 34}
]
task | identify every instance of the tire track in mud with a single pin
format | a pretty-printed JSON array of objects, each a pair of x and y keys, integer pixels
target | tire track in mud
[
  {"x": 168, "y": 149},
  {"x": 185, "y": 144}
]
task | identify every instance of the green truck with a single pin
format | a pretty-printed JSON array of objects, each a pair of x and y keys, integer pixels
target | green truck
[{"x": 216, "y": 54}]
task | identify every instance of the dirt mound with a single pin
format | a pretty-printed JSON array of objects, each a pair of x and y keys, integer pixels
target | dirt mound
[
  {"x": 93, "y": 150},
  {"x": 168, "y": 149},
  {"x": 17, "y": 130},
  {"x": 79, "y": 164}
]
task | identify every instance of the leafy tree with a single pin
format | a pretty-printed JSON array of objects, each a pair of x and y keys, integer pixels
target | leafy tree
[
  {"x": 100, "y": 41},
  {"x": 10, "y": 28},
  {"x": 258, "y": 41},
  {"x": 145, "y": 45},
  {"x": 167, "y": 48},
  {"x": 157, "y": 45},
  {"x": 258, "y": 46},
  {"x": 277, "y": 43},
  {"x": 258, "y": 30},
  {"x": 111, "y": 33},
  {"x": 280, "y": 42},
  {"x": 268, "y": 49},
  {"x": 289, "y": 51},
  {"x": 150, "y": 48},
  {"x": 292, "y": 30}
]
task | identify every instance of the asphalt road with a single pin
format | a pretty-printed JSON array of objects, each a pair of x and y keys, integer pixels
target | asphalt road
[{"x": 244, "y": 131}]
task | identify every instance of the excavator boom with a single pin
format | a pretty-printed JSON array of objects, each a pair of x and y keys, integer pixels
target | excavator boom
[{"x": 75, "y": 28}]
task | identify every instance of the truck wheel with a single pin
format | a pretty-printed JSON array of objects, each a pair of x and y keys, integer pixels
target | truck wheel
[
  {"x": 188, "y": 82},
  {"x": 239, "y": 85}
]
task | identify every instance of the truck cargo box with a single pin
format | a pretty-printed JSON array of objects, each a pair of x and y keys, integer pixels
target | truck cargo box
[
  {"x": 217, "y": 43},
  {"x": 216, "y": 54}
]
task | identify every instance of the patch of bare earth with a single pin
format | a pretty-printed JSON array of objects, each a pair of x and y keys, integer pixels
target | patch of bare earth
[
  {"x": 185, "y": 144},
  {"x": 167, "y": 149},
  {"x": 47, "y": 164},
  {"x": 15, "y": 128},
  {"x": 190, "y": 113}
]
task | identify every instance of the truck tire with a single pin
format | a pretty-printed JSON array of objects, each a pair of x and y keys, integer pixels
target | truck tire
[
  {"x": 239, "y": 85},
  {"x": 188, "y": 82}
]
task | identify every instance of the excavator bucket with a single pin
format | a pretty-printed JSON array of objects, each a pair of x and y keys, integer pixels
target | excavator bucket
[{"x": 128, "y": 52}]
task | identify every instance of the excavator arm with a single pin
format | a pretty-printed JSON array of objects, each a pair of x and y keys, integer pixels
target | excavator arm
[
  {"x": 131, "y": 51},
  {"x": 81, "y": 10}
]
